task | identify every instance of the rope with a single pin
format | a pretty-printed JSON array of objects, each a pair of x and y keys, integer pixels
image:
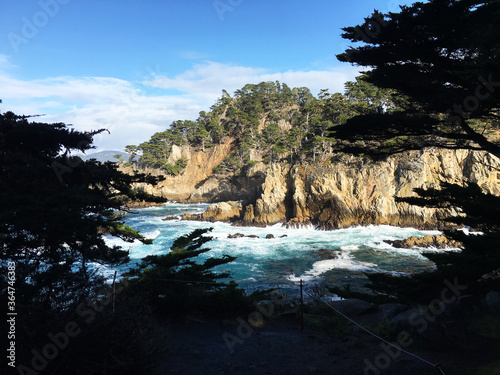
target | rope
[
  {"x": 201, "y": 282},
  {"x": 192, "y": 281},
  {"x": 438, "y": 367}
]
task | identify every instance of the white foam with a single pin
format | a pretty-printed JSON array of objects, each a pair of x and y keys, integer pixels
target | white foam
[
  {"x": 350, "y": 247},
  {"x": 343, "y": 261},
  {"x": 467, "y": 230},
  {"x": 290, "y": 248},
  {"x": 152, "y": 235}
]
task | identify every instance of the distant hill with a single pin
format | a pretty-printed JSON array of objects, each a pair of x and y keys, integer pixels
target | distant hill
[{"x": 103, "y": 156}]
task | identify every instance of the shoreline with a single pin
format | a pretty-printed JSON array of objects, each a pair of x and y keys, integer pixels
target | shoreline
[{"x": 288, "y": 224}]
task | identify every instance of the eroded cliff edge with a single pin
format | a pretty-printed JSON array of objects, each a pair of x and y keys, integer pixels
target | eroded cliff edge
[{"x": 342, "y": 192}]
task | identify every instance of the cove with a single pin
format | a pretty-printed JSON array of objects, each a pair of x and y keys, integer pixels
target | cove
[{"x": 327, "y": 258}]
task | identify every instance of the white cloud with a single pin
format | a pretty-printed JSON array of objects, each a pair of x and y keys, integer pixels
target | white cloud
[
  {"x": 206, "y": 81},
  {"x": 5, "y": 64},
  {"x": 132, "y": 113}
]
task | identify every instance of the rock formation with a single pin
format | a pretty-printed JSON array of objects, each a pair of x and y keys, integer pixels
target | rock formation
[
  {"x": 438, "y": 242},
  {"x": 353, "y": 192},
  {"x": 222, "y": 211},
  {"x": 197, "y": 183},
  {"x": 343, "y": 192}
]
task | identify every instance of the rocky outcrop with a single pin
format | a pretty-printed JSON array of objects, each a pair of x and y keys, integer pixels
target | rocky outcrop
[
  {"x": 222, "y": 211},
  {"x": 438, "y": 242},
  {"x": 197, "y": 182},
  {"x": 272, "y": 206},
  {"x": 353, "y": 192},
  {"x": 340, "y": 193}
]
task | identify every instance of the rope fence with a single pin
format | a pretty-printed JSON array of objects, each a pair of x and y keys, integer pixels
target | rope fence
[{"x": 438, "y": 367}]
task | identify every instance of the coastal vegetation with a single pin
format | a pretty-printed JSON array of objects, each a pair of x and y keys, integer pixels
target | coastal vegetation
[
  {"x": 55, "y": 210},
  {"x": 269, "y": 119},
  {"x": 433, "y": 78}
]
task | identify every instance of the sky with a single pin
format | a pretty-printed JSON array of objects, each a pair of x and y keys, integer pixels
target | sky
[{"x": 135, "y": 66}]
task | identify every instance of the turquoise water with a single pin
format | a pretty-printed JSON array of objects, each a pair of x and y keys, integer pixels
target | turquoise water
[{"x": 336, "y": 257}]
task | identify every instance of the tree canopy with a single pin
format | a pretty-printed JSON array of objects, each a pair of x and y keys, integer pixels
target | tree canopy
[
  {"x": 444, "y": 55},
  {"x": 55, "y": 207},
  {"x": 442, "y": 58},
  {"x": 270, "y": 118}
]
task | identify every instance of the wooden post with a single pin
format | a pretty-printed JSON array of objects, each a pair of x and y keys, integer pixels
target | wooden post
[
  {"x": 301, "y": 307},
  {"x": 114, "y": 289}
]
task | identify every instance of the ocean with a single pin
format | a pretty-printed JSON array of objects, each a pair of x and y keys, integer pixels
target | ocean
[{"x": 325, "y": 258}]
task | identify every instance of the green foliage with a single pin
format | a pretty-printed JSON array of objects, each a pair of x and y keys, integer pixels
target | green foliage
[
  {"x": 132, "y": 152},
  {"x": 175, "y": 169},
  {"x": 178, "y": 282},
  {"x": 268, "y": 117},
  {"x": 54, "y": 210},
  {"x": 434, "y": 58},
  {"x": 230, "y": 165}
]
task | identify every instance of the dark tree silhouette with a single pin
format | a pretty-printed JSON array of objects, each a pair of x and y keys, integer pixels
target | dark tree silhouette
[
  {"x": 444, "y": 55},
  {"x": 54, "y": 208}
]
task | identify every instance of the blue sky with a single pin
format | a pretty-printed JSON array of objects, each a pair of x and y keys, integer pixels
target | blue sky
[{"x": 134, "y": 66}]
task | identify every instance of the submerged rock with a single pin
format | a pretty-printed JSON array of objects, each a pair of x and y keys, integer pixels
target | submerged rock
[
  {"x": 170, "y": 218},
  {"x": 327, "y": 253}
]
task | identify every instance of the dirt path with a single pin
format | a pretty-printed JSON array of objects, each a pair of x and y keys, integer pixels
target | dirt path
[{"x": 280, "y": 348}]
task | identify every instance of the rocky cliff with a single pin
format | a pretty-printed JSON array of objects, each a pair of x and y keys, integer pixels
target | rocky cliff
[
  {"x": 339, "y": 193},
  {"x": 352, "y": 192},
  {"x": 197, "y": 182}
]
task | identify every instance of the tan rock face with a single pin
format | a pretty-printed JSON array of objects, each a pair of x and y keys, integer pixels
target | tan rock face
[
  {"x": 271, "y": 207},
  {"x": 352, "y": 193},
  {"x": 198, "y": 170},
  {"x": 222, "y": 211},
  {"x": 341, "y": 194},
  {"x": 438, "y": 242}
]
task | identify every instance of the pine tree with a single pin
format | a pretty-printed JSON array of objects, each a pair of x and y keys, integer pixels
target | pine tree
[
  {"x": 55, "y": 208},
  {"x": 444, "y": 56},
  {"x": 179, "y": 282}
]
